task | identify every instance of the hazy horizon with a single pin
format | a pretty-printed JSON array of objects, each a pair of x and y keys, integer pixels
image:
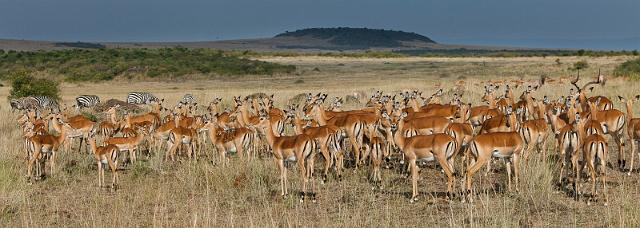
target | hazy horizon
[{"x": 588, "y": 24}]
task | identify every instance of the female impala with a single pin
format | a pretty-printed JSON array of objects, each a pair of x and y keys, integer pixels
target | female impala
[
  {"x": 129, "y": 144},
  {"x": 105, "y": 155},
  {"x": 594, "y": 149},
  {"x": 179, "y": 136},
  {"x": 327, "y": 137},
  {"x": 568, "y": 143},
  {"x": 502, "y": 123},
  {"x": 535, "y": 132},
  {"x": 230, "y": 140},
  {"x": 612, "y": 122},
  {"x": 506, "y": 145},
  {"x": 43, "y": 147},
  {"x": 633, "y": 128},
  {"x": 300, "y": 148},
  {"x": 109, "y": 128},
  {"x": 440, "y": 147}
]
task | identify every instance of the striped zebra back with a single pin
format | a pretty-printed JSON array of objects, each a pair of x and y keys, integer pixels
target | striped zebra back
[
  {"x": 45, "y": 102},
  {"x": 86, "y": 101},
  {"x": 141, "y": 98},
  {"x": 187, "y": 99}
]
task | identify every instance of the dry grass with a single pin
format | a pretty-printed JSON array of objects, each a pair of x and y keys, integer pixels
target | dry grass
[{"x": 155, "y": 193}]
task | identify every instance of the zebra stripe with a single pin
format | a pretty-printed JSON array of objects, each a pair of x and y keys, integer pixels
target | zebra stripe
[
  {"x": 45, "y": 102},
  {"x": 187, "y": 99},
  {"x": 141, "y": 98},
  {"x": 87, "y": 101},
  {"x": 23, "y": 103}
]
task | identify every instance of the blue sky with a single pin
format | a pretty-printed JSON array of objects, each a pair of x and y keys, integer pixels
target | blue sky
[{"x": 599, "y": 24}]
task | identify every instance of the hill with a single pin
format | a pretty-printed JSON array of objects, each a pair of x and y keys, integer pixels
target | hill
[{"x": 360, "y": 38}]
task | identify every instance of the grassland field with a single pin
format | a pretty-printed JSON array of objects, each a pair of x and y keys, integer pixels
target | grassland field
[{"x": 246, "y": 194}]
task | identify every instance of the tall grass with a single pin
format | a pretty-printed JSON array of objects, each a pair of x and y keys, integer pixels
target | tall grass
[{"x": 178, "y": 194}]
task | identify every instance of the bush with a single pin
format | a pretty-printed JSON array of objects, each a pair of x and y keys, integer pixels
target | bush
[
  {"x": 629, "y": 68},
  {"x": 24, "y": 85},
  {"x": 107, "y": 64},
  {"x": 580, "y": 65}
]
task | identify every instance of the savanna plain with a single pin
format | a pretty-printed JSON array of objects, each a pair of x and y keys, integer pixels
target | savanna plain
[{"x": 158, "y": 193}]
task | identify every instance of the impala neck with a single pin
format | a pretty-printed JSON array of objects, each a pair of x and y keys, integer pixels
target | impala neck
[
  {"x": 298, "y": 125},
  {"x": 399, "y": 137},
  {"x": 629, "y": 105},
  {"x": 244, "y": 114},
  {"x": 61, "y": 137},
  {"x": 213, "y": 132},
  {"x": 492, "y": 101},
  {"x": 320, "y": 115},
  {"x": 414, "y": 105},
  {"x": 56, "y": 125},
  {"x": 268, "y": 131},
  {"x": 94, "y": 147}
]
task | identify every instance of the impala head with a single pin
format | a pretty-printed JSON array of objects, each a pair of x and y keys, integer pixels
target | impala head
[
  {"x": 394, "y": 120},
  {"x": 512, "y": 120}
]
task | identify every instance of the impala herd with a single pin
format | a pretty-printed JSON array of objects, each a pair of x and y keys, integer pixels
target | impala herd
[{"x": 419, "y": 128}]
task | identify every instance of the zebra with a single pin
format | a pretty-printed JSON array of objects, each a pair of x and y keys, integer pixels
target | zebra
[
  {"x": 45, "y": 102},
  {"x": 141, "y": 98},
  {"x": 87, "y": 101},
  {"x": 23, "y": 103},
  {"x": 187, "y": 99}
]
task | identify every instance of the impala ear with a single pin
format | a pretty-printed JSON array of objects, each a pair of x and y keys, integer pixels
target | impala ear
[{"x": 637, "y": 97}]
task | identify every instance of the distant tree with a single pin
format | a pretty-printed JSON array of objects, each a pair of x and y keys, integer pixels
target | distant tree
[
  {"x": 582, "y": 64},
  {"x": 634, "y": 52},
  {"x": 580, "y": 52},
  {"x": 24, "y": 85}
]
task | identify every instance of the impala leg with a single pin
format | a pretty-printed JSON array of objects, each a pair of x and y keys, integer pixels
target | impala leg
[
  {"x": 240, "y": 150},
  {"x": 356, "y": 149},
  {"x": 414, "y": 180},
  {"x": 603, "y": 177},
  {"x": 516, "y": 170},
  {"x": 621, "y": 161},
  {"x": 448, "y": 170},
  {"x": 114, "y": 173},
  {"x": 576, "y": 169},
  {"x": 376, "y": 160},
  {"x": 303, "y": 175},
  {"x": 592, "y": 171},
  {"x": 282, "y": 170},
  {"x": 339, "y": 164},
  {"x": 563, "y": 165},
  {"x": 480, "y": 161},
  {"x": 32, "y": 160},
  {"x": 544, "y": 148},
  {"x": 486, "y": 173},
  {"x": 52, "y": 161},
  {"x": 310, "y": 166},
  {"x": 633, "y": 154},
  {"x": 508, "y": 163},
  {"x": 99, "y": 173},
  {"x": 327, "y": 161}
]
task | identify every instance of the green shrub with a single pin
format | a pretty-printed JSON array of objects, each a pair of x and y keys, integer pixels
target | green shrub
[
  {"x": 582, "y": 64},
  {"x": 106, "y": 64},
  {"x": 629, "y": 68},
  {"x": 24, "y": 85}
]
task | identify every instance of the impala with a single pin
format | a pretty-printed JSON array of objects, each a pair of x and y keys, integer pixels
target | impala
[
  {"x": 440, "y": 147},
  {"x": 230, "y": 140},
  {"x": 633, "y": 128},
  {"x": 300, "y": 148},
  {"x": 105, "y": 155},
  {"x": 328, "y": 138}
]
